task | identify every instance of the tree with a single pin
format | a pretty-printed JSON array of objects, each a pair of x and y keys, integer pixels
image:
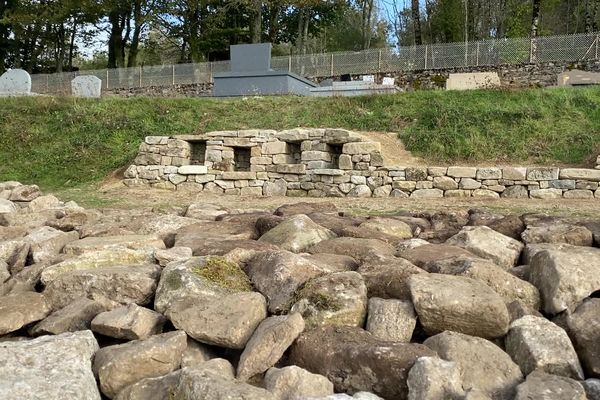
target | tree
[{"x": 416, "y": 22}]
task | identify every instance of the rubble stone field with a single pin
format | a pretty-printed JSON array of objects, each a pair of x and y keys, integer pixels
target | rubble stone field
[{"x": 303, "y": 301}]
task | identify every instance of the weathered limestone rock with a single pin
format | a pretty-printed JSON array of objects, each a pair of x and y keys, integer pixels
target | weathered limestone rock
[
  {"x": 173, "y": 254},
  {"x": 427, "y": 253},
  {"x": 357, "y": 248},
  {"x": 47, "y": 242},
  {"x": 20, "y": 309},
  {"x": 444, "y": 183},
  {"x": 482, "y": 364},
  {"x": 592, "y": 388},
  {"x": 335, "y": 299},
  {"x": 445, "y": 302},
  {"x": 387, "y": 277},
  {"x": 95, "y": 259},
  {"x": 198, "y": 278},
  {"x": 134, "y": 242},
  {"x": 7, "y": 206},
  {"x": 49, "y": 368},
  {"x": 360, "y": 191},
  {"x": 427, "y": 194},
  {"x": 130, "y": 284},
  {"x": 431, "y": 378},
  {"x": 163, "y": 226},
  {"x": 508, "y": 286},
  {"x": 536, "y": 343},
  {"x": 355, "y": 360},
  {"x": 204, "y": 211},
  {"x": 268, "y": 343},
  {"x": 542, "y": 386},
  {"x": 392, "y": 320},
  {"x": 489, "y": 244},
  {"x": 128, "y": 322},
  {"x": 295, "y": 383},
  {"x": 74, "y": 317},
  {"x": 515, "y": 192},
  {"x": 277, "y": 275},
  {"x": 226, "y": 320},
  {"x": 14, "y": 253},
  {"x": 25, "y": 193},
  {"x": 546, "y": 194},
  {"x": 566, "y": 276},
  {"x": 558, "y": 233},
  {"x": 388, "y": 226},
  {"x": 121, "y": 365},
  {"x": 584, "y": 331},
  {"x": 43, "y": 203},
  {"x": 297, "y": 234},
  {"x": 332, "y": 262},
  {"x": 304, "y": 208},
  {"x": 200, "y": 383},
  {"x": 159, "y": 388},
  {"x": 277, "y": 188}
]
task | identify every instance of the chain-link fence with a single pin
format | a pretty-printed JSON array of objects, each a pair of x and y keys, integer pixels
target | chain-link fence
[{"x": 426, "y": 57}]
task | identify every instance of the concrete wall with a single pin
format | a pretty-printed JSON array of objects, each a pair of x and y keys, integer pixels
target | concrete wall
[{"x": 335, "y": 163}]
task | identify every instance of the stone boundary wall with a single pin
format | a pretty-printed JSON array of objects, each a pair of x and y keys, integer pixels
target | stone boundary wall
[
  {"x": 511, "y": 76},
  {"x": 332, "y": 163}
]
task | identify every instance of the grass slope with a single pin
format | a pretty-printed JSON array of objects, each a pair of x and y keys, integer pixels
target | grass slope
[{"x": 66, "y": 142}]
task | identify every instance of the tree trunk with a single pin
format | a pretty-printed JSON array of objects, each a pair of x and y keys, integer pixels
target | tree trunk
[
  {"x": 416, "y": 17},
  {"x": 115, "y": 40},
  {"x": 135, "y": 40},
  {"x": 274, "y": 12},
  {"x": 256, "y": 22},
  {"x": 300, "y": 37},
  {"x": 535, "y": 20},
  {"x": 72, "y": 45}
]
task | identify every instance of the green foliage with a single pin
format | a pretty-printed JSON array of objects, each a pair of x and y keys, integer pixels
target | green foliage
[
  {"x": 224, "y": 274},
  {"x": 62, "y": 143}
]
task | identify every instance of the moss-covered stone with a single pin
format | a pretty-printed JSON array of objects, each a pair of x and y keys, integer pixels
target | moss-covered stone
[{"x": 223, "y": 273}]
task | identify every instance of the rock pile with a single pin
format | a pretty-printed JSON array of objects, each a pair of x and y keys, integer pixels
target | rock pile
[{"x": 305, "y": 302}]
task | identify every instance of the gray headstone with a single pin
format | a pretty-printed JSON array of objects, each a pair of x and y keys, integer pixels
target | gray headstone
[
  {"x": 250, "y": 57},
  {"x": 15, "y": 82},
  {"x": 86, "y": 86}
]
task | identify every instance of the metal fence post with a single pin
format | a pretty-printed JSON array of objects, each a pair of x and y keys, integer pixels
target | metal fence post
[
  {"x": 140, "y": 76},
  {"x": 477, "y": 55},
  {"x": 531, "y": 45},
  {"x": 379, "y": 62},
  {"x": 173, "y": 74},
  {"x": 210, "y": 71},
  {"x": 107, "y": 79},
  {"x": 290, "y": 63},
  {"x": 426, "y": 54},
  {"x": 47, "y": 83},
  {"x": 331, "y": 66},
  {"x": 597, "y": 40}
]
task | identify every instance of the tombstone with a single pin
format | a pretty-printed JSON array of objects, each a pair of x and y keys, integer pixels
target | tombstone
[
  {"x": 86, "y": 86},
  {"x": 578, "y": 78},
  {"x": 251, "y": 74},
  {"x": 473, "y": 80},
  {"x": 387, "y": 81},
  {"x": 368, "y": 78},
  {"x": 15, "y": 82}
]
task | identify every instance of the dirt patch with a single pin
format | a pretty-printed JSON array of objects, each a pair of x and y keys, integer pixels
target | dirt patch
[
  {"x": 393, "y": 150},
  {"x": 118, "y": 196}
]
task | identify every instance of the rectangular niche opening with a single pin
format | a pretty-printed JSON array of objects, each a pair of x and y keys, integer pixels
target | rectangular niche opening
[
  {"x": 295, "y": 151},
  {"x": 197, "y": 153},
  {"x": 336, "y": 152},
  {"x": 241, "y": 159}
]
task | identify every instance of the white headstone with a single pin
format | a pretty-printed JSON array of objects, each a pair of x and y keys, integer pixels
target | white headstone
[
  {"x": 15, "y": 82},
  {"x": 86, "y": 86},
  {"x": 368, "y": 78},
  {"x": 388, "y": 81}
]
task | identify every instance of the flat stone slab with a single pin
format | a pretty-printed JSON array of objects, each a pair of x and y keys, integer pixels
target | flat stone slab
[
  {"x": 578, "y": 78},
  {"x": 473, "y": 80}
]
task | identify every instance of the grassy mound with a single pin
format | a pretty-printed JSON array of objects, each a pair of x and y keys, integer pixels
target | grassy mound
[{"x": 66, "y": 142}]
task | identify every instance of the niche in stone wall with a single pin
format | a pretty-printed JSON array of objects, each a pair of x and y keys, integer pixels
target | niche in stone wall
[
  {"x": 197, "y": 152},
  {"x": 241, "y": 159},
  {"x": 295, "y": 152},
  {"x": 336, "y": 152}
]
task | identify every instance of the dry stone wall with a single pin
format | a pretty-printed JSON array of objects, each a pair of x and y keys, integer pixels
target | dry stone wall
[{"x": 332, "y": 163}]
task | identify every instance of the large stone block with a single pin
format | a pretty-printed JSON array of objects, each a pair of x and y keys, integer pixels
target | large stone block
[
  {"x": 361, "y": 147},
  {"x": 462, "y": 172},
  {"x": 271, "y": 148},
  {"x": 192, "y": 170},
  {"x": 542, "y": 173},
  {"x": 580, "y": 173}
]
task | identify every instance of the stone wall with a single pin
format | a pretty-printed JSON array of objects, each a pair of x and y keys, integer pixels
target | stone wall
[
  {"x": 334, "y": 163},
  {"x": 511, "y": 76}
]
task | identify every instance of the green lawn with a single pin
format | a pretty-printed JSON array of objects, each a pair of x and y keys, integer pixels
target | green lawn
[{"x": 66, "y": 142}]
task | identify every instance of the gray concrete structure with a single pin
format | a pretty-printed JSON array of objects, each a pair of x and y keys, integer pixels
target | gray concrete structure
[
  {"x": 352, "y": 88},
  {"x": 251, "y": 74}
]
